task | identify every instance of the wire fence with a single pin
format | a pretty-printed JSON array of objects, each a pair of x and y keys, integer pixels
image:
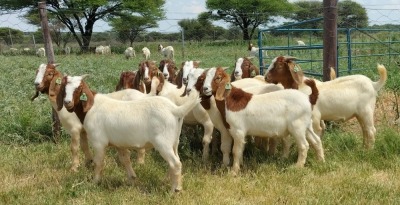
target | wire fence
[{"x": 30, "y": 38}]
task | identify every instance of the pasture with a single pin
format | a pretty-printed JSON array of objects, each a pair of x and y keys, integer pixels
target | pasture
[{"x": 35, "y": 170}]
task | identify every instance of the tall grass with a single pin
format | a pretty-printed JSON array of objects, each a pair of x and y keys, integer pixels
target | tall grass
[{"x": 34, "y": 170}]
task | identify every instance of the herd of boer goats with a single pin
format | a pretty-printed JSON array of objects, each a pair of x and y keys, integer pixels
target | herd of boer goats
[{"x": 283, "y": 106}]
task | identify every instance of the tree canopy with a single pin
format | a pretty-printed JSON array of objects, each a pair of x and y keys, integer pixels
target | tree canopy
[
  {"x": 130, "y": 26},
  {"x": 200, "y": 28},
  {"x": 79, "y": 17},
  {"x": 248, "y": 14},
  {"x": 350, "y": 14},
  {"x": 11, "y": 36}
]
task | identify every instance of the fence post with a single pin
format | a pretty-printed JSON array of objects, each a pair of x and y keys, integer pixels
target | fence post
[
  {"x": 330, "y": 37},
  {"x": 50, "y": 59},
  {"x": 183, "y": 44},
  {"x": 9, "y": 33}
]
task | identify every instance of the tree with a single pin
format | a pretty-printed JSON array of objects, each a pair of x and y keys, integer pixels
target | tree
[
  {"x": 130, "y": 26},
  {"x": 11, "y": 36},
  {"x": 80, "y": 16},
  {"x": 248, "y": 14},
  {"x": 306, "y": 10},
  {"x": 350, "y": 14},
  {"x": 198, "y": 29}
]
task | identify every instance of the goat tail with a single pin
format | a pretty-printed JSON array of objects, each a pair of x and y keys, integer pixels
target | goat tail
[
  {"x": 383, "y": 77},
  {"x": 191, "y": 102},
  {"x": 314, "y": 91},
  {"x": 332, "y": 73}
]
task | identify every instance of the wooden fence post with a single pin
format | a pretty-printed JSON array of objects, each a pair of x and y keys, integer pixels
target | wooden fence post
[
  {"x": 330, "y": 38},
  {"x": 56, "y": 125}
]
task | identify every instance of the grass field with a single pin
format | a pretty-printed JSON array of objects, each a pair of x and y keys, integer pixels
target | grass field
[{"x": 34, "y": 170}]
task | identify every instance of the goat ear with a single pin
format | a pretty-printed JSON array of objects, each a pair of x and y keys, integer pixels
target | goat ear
[
  {"x": 219, "y": 95},
  {"x": 88, "y": 102},
  {"x": 296, "y": 72},
  {"x": 162, "y": 81},
  {"x": 290, "y": 58},
  {"x": 56, "y": 64},
  {"x": 136, "y": 82},
  {"x": 233, "y": 76},
  {"x": 61, "y": 94},
  {"x": 178, "y": 78}
]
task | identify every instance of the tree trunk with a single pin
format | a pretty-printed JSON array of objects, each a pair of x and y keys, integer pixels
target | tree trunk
[
  {"x": 87, "y": 35},
  {"x": 246, "y": 36}
]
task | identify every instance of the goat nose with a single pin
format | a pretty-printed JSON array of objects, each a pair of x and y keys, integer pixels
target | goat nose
[
  {"x": 165, "y": 74},
  {"x": 205, "y": 89},
  {"x": 66, "y": 102}
]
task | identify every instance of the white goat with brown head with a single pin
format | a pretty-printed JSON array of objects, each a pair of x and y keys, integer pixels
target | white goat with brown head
[
  {"x": 274, "y": 114},
  {"x": 340, "y": 99},
  {"x": 143, "y": 123},
  {"x": 195, "y": 83}
]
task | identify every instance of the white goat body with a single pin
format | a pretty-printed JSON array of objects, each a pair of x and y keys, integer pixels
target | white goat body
[
  {"x": 41, "y": 52},
  {"x": 148, "y": 122},
  {"x": 300, "y": 43},
  {"x": 146, "y": 53},
  {"x": 198, "y": 115},
  {"x": 167, "y": 52},
  {"x": 129, "y": 53},
  {"x": 99, "y": 49},
  {"x": 255, "y": 51}
]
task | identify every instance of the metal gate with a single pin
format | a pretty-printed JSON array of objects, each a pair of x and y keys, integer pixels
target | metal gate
[{"x": 358, "y": 49}]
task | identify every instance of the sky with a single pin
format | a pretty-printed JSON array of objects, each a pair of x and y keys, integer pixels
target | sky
[{"x": 379, "y": 12}]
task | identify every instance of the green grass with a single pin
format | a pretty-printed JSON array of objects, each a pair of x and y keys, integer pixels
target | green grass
[{"x": 34, "y": 170}]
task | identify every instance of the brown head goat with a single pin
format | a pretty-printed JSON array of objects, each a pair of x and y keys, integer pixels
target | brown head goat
[
  {"x": 277, "y": 114},
  {"x": 48, "y": 81},
  {"x": 126, "y": 80},
  {"x": 244, "y": 68},
  {"x": 142, "y": 81},
  {"x": 181, "y": 78},
  {"x": 340, "y": 99},
  {"x": 168, "y": 69},
  {"x": 146, "y": 122}
]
